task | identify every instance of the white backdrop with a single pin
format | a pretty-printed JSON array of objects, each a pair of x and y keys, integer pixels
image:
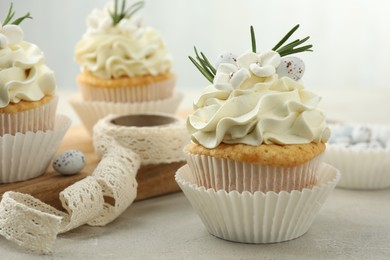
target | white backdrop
[{"x": 351, "y": 38}]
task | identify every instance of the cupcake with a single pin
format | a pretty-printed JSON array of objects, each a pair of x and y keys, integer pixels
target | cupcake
[
  {"x": 257, "y": 144},
  {"x": 124, "y": 62},
  {"x": 30, "y": 131},
  {"x": 27, "y": 85},
  {"x": 362, "y": 154},
  {"x": 256, "y": 128}
]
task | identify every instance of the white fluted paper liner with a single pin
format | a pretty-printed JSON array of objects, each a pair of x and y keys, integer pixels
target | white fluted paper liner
[
  {"x": 90, "y": 112},
  {"x": 230, "y": 175},
  {"x": 154, "y": 144},
  {"x": 154, "y": 91},
  {"x": 26, "y": 156},
  {"x": 258, "y": 217},
  {"x": 360, "y": 168},
  {"x": 40, "y": 118}
]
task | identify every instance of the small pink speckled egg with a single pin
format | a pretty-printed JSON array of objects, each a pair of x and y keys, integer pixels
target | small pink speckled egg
[
  {"x": 292, "y": 67},
  {"x": 69, "y": 162}
]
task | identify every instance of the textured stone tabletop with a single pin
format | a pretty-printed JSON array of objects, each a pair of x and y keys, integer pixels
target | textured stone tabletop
[{"x": 351, "y": 225}]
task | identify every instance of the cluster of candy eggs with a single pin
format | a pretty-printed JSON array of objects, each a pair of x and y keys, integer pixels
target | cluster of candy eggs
[
  {"x": 290, "y": 66},
  {"x": 360, "y": 136}
]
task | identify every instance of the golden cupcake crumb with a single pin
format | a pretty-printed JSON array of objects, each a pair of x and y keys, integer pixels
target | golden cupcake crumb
[
  {"x": 87, "y": 79},
  {"x": 25, "y": 105},
  {"x": 265, "y": 154}
]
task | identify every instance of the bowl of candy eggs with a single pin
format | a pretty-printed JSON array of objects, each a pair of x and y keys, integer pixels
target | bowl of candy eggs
[{"x": 362, "y": 154}]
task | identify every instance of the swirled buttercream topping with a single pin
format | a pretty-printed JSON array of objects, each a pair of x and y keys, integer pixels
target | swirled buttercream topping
[
  {"x": 258, "y": 110},
  {"x": 125, "y": 49},
  {"x": 23, "y": 74}
]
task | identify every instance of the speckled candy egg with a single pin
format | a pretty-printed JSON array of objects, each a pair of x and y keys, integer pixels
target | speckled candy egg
[
  {"x": 69, "y": 162},
  {"x": 292, "y": 67},
  {"x": 226, "y": 57}
]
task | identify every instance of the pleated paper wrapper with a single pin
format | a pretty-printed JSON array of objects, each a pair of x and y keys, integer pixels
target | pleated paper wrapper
[
  {"x": 40, "y": 118},
  {"x": 150, "y": 92},
  {"x": 258, "y": 217},
  {"x": 26, "y": 156},
  {"x": 360, "y": 168},
  {"x": 229, "y": 175},
  {"x": 90, "y": 112}
]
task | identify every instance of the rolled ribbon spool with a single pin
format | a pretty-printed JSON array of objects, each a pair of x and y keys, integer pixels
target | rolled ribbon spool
[{"x": 156, "y": 138}]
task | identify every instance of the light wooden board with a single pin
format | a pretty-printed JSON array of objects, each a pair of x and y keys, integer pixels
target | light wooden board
[{"x": 153, "y": 180}]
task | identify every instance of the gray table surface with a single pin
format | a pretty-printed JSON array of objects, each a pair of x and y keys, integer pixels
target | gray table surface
[{"x": 351, "y": 225}]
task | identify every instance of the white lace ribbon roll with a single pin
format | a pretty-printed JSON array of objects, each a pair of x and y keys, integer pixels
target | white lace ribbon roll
[
  {"x": 34, "y": 225},
  {"x": 157, "y": 138}
]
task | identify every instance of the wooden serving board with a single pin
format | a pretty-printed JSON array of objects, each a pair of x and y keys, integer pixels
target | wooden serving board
[{"x": 153, "y": 180}]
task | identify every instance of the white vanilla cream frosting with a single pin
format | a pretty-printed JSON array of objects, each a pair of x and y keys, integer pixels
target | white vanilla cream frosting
[
  {"x": 243, "y": 107},
  {"x": 23, "y": 73},
  {"x": 126, "y": 49}
]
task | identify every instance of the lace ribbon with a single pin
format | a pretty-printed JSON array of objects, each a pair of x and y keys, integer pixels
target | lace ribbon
[{"x": 35, "y": 225}]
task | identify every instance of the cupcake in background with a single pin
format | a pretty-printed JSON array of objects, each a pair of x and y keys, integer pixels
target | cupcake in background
[
  {"x": 125, "y": 66},
  {"x": 30, "y": 131},
  {"x": 27, "y": 86},
  {"x": 254, "y": 170}
]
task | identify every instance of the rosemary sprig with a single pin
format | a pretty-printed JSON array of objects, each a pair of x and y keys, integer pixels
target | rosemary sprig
[
  {"x": 118, "y": 15},
  {"x": 203, "y": 65},
  {"x": 11, "y": 14},
  {"x": 290, "y": 48},
  {"x": 253, "y": 39}
]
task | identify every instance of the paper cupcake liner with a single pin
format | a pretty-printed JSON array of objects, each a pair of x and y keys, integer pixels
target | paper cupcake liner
[
  {"x": 360, "y": 169},
  {"x": 90, "y": 112},
  {"x": 258, "y": 217},
  {"x": 230, "y": 175},
  {"x": 155, "y": 91},
  {"x": 26, "y": 156},
  {"x": 37, "y": 119}
]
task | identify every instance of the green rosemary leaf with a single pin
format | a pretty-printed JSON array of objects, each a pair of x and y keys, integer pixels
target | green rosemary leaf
[
  {"x": 253, "y": 39},
  {"x": 286, "y": 37},
  {"x": 134, "y": 8},
  {"x": 293, "y": 44},
  {"x": 123, "y": 6},
  {"x": 297, "y": 50},
  {"x": 9, "y": 16},
  {"x": 19, "y": 20},
  {"x": 118, "y": 15},
  {"x": 201, "y": 69},
  {"x": 208, "y": 64}
]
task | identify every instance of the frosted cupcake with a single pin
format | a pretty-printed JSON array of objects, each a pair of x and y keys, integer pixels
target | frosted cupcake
[
  {"x": 27, "y": 85},
  {"x": 30, "y": 131},
  {"x": 254, "y": 172},
  {"x": 256, "y": 128},
  {"x": 121, "y": 60},
  {"x": 125, "y": 66}
]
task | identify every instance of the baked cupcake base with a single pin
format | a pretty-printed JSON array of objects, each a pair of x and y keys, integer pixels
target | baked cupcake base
[
  {"x": 134, "y": 89},
  {"x": 90, "y": 112},
  {"x": 26, "y": 156},
  {"x": 258, "y": 217},
  {"x": 28, "y": 116},
  {"x": 264, "y": 168}
]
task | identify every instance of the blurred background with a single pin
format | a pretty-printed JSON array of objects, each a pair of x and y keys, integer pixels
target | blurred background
[{"x": 351, "y": 38}]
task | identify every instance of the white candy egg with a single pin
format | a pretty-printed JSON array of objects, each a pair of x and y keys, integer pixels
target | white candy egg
[
  {"x": 69, "y": 162},
  {"x": 226, "y": 57},
  {"x": 384, "y": 135},
  {"x": 361, "y": 134},
  {"x": 292, "y": 67}
]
